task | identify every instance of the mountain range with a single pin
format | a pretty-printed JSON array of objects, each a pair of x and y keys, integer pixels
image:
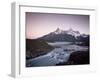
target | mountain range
[{"x": 65, "y": 35}]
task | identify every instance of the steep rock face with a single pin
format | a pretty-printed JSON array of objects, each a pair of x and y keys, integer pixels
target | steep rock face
[{"x": 36, "y": 47}]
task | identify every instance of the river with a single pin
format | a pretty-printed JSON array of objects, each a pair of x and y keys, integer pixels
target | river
[{"x": 59, "y": 54}]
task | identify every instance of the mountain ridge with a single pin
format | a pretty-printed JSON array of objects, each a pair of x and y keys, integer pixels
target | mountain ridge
[{"x": 64, "y": 35}]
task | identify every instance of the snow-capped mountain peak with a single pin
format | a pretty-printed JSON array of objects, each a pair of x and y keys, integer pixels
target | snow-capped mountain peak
[
  {"x": 73, "y": 33},
  {"x": 65, "y": 35},
  {"x": 58, "y": 31},
  {"x": 70, "y": 32}
]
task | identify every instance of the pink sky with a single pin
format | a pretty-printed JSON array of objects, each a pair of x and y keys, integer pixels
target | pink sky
[{"x": 39, "y": 24}]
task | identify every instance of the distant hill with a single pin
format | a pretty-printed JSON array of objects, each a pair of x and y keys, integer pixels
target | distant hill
[{"x": 36, "y": 47}]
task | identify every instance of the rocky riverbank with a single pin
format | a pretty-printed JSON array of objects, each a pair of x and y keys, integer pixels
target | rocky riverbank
[{"x": 77, "y": 58}]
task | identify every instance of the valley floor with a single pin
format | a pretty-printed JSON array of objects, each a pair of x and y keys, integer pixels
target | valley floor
[{"x": 62, "y": 54}]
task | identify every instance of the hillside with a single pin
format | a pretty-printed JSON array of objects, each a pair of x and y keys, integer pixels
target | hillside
[{"x": 36, "y": 47}]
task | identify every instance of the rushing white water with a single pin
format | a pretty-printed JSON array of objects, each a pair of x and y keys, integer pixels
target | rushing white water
[{"x": 60, "y": 54}]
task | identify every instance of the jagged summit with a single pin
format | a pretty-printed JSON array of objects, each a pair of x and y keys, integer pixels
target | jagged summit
[
  {"x": 72, "y": 32},
  {"x": 58, "y": 31},
  {"x": 69, "y": 31},
  {"x": 64, "y": 35}
]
